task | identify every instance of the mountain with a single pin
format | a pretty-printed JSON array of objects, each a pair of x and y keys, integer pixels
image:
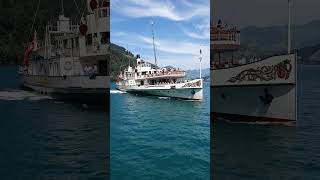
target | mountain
[
  {"x": 120, "y": 59},
  {"x": 266, "y": 41},
  {"x": 309, "y": 55},
  {"x": 192, "y": 74}
]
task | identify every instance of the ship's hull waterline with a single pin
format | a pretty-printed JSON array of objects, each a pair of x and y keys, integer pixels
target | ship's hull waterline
[
  {"x": 190, "y": 93},
  {"x": 191, "y": 90},
  {"x": 248, "y": 104},
  {"x": 260, "y": 92},
  {"x": 73, "y": 88}
]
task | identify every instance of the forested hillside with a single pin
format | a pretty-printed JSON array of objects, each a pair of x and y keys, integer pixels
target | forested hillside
[
  {"x": 120, "y": 59},
  {"x": 16, "y": 21}
]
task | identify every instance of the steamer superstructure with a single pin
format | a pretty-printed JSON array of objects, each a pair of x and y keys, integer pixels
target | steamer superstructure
[{"x": 72, "y": 61}]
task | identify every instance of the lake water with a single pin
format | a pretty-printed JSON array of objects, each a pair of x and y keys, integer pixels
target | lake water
[
  {"x": 159, "y": 138},
  {"x": 242, "y": 151},
  {"x": 45, "y": 139},
  {"x": 152, "y": 138}
]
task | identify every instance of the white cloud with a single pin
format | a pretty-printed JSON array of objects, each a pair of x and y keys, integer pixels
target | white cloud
[
  {"x": 200, "y": 30},
  {"x": 156, "y": 8},
  {"x": 119, "y": 33},
  {"x": 173, "y": 46},
  {"x": 184, "y": 54},
  {"x": 180, "y": 53},
  {"x": 202, "y": 35}
]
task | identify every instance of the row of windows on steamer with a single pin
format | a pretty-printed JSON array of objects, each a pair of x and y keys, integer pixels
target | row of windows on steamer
[
  {"x": 104, "y": 38},
  {"x": 74, "y": 42},
  {"x": 67, "y": 43},
  {"x": 222, "y": 37},
  {"x": 105, "y": 12}
]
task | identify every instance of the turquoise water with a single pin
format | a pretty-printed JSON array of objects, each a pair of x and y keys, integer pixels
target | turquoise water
[
  {"x": 46, "y": 139},
  {"x": 152, "y": 138},
  {"x": 155, "y": 138},
  {"x": 251, "y": 152}
]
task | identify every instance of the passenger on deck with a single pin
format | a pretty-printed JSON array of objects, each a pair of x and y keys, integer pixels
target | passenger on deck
[
  {"x": 86, "y": 69},
  {"x": 89, "y": 70},
  {"x": 96, "y": 42},
  {"x": 95, "y": 69}
]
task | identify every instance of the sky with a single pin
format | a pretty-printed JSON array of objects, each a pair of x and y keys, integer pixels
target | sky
[
  {"x": 181, "y": 28},
  {"x": 262, "y": 13}
]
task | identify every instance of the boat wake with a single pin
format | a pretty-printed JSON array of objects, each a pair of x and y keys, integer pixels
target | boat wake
[
  {"x": 116, "y": 92},
  {"x": 180, "y": 99},
  {"x": 164, "y": 97},
  {"x": 18, "y": 95}
]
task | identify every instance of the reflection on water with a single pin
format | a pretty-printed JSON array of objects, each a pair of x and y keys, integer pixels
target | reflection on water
[{"x": 17, "y": 94}]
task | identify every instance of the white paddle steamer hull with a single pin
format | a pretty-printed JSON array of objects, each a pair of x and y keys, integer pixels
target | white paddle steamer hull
[
  {"x": 70, "y": 87},
  {"x": 260, "y": 92},
  {"x": 191, "y": 90}
]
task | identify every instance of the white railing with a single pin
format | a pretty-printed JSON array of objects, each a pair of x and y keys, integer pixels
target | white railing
[
  {"x": 74, "y": 28},
  {"x": 164, "y": 74}
]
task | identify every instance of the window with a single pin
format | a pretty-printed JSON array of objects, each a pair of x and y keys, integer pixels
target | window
[
  {"x": 105, "y": 12},
  {"x": 106, "y": 3},
  {"x": 77, "y": 42},
  {"x": 89, "y": 39},
  {"x": 56, "y": 69},
  {"x": 72, "y": 43},
  {"x": 105, "y": 37},
  {"x": 65, "y": 43},
  {"x": 50, "y": 69}
]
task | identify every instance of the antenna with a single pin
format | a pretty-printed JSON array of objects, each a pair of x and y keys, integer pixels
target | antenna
[
  {"x": 62, "y": 7},
  {"x": 154, "y": 47},
  {"x": 289, "y": 26},
  {"x": 200, "y": 58},
  {"x": 128, "y": 54}
]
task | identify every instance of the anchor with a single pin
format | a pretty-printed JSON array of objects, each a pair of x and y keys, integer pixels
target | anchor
[{"x": 267, "y": 98}]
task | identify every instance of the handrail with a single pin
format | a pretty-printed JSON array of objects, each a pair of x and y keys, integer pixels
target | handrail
[
  {"x": 259, "y": 60},
  {"x": 167, "y": 74}
]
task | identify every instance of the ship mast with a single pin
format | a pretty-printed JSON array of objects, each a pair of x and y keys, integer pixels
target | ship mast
[
  {"x": 289, "y": 26},
  {"x": 200, "y": 58},
  {"x": 128, "y": 53},
  {"x": 62, "y": 8},
  {"x": 154, "y": 47}
]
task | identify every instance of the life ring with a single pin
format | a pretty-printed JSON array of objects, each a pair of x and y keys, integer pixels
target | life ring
[
  {"x": 267, "y": 98},
  {"x": 83, "y": 29},
  {"x": 93, "y": 4},
  {"x": 67, "y": 66}
]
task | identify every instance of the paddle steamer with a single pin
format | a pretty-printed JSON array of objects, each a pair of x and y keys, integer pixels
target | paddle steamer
[
  {"x": 164, "y": 82},
  {"x": 72, "y": 60}
]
